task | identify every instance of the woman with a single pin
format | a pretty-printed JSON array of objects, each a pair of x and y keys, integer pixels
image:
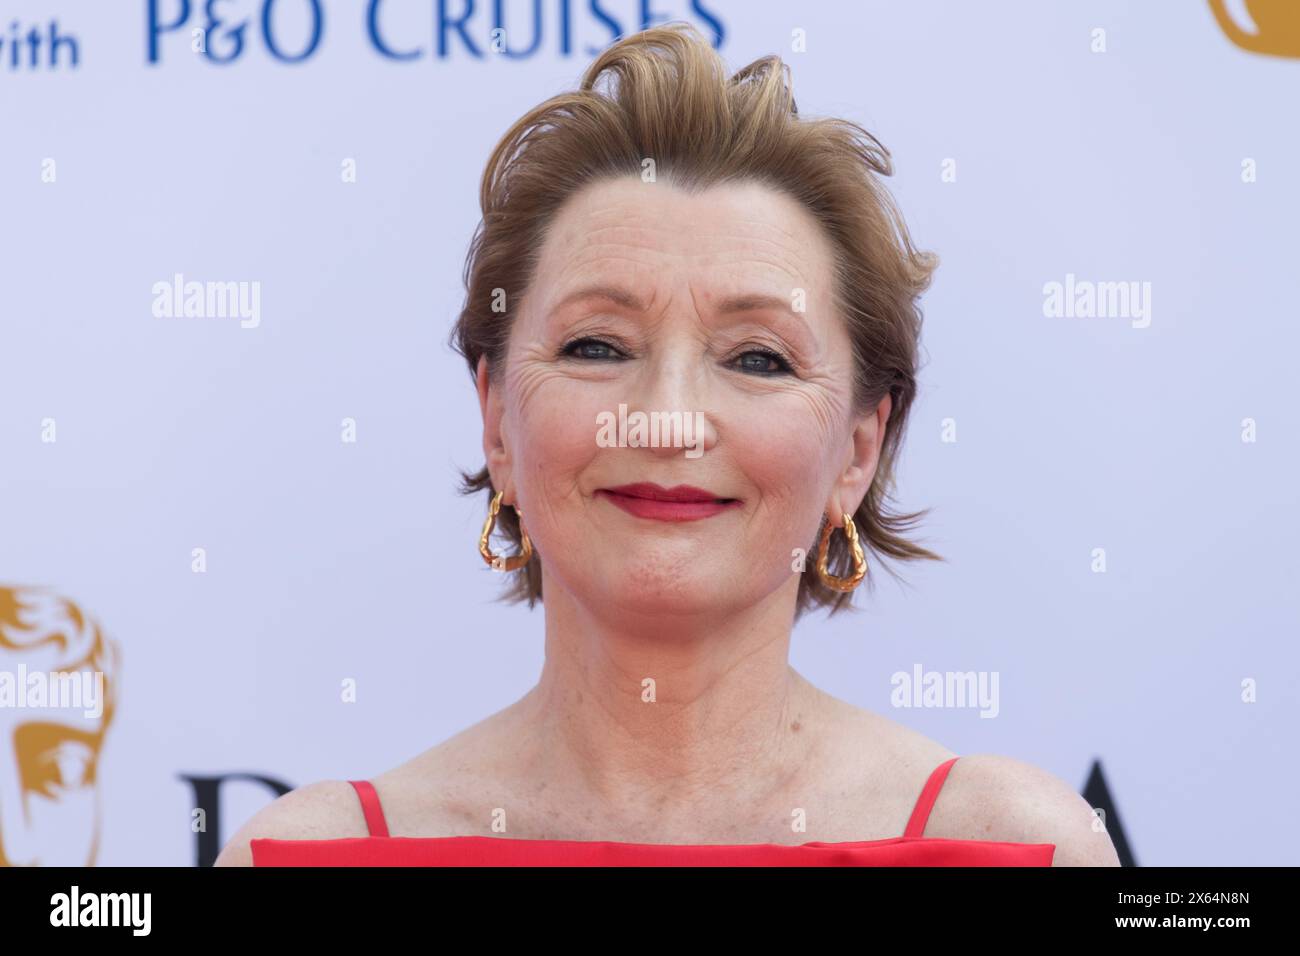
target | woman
[{"x": 669, "y": 240}]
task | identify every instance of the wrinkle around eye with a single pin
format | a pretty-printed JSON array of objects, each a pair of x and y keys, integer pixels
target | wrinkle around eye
[
  {"x": 528, "y": 375},
  {"x": 827, "y": 403}
]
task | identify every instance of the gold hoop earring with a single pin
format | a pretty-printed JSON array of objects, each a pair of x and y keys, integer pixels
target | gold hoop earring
[
  {"x": 855, "y": 548},
  {"x": 502, "y": 563}
]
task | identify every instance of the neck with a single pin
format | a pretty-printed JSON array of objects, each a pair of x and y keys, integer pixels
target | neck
[{"x": 654, "y": 715}]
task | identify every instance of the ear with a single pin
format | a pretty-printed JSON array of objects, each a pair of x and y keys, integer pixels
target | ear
[
  {"x": 852, "y": 484},
  {"x": 495, "y": 453}
]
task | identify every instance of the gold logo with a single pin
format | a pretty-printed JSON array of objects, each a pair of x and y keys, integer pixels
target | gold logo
[
  {"x": 58, "y": 679},
  {"x": 1275, "y": 30}
]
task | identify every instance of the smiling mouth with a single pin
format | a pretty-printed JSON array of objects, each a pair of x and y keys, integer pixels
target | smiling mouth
[{"x": 679, "y": 503}]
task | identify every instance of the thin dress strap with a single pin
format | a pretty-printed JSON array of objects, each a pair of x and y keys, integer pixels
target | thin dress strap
[
  {"x": 921, "y": 812},
  {"x": 370, "y": 806}
]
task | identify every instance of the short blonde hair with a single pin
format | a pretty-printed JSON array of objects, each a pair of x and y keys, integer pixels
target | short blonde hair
[{"x": 664, "y": 94}]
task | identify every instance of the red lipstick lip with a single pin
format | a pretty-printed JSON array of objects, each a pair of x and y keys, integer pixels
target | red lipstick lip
[
  {"x": 682, "y": 493},
  {"x": 677, "y": 504}
]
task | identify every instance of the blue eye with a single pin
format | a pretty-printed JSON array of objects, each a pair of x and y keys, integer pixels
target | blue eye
[
  {"x": 761, "y": 362},
  {"x": 589, "y": 348}
]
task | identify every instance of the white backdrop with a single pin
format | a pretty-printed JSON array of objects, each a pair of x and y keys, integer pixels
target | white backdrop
[{"x": 1025, "y": 154}]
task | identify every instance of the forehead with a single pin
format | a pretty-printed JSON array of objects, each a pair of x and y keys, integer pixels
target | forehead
[{"x": 729, "y": 238}]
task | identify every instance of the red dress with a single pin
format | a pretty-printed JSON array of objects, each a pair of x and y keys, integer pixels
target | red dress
[{"x": 910, "y": 849}]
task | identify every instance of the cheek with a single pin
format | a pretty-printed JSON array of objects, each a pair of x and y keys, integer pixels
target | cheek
[
  {"x": 785, "y": 451},
  {"x": 551, "y": 432}
]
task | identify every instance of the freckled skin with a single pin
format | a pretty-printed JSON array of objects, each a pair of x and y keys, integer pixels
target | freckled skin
[{"x": 787, "y": 445}]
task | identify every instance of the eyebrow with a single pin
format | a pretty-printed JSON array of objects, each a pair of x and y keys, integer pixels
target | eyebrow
[
  {"x": 753, "y": 303},
  {"x": 608, "y": 292}
]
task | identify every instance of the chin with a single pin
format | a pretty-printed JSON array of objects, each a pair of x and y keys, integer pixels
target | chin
[{"x": 693, "y": 588}]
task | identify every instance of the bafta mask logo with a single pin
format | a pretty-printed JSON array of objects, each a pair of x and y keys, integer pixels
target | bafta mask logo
[
  {"x": 1271, "y": 27},
  {"x": 58, "y": 679}
]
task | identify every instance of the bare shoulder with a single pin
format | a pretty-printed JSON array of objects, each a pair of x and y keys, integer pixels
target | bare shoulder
[
  {"x": 413, "y": 797},
  {"x": 882, "y": 748},
  {"x": 991, "y": 797},
  {"x": 325, "y": 810}
]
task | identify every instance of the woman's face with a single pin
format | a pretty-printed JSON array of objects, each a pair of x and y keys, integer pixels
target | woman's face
[{"x": 718, "y": 306}]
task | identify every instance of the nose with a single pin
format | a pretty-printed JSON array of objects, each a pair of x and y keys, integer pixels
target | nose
[{"x": 673, "y": 393}]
